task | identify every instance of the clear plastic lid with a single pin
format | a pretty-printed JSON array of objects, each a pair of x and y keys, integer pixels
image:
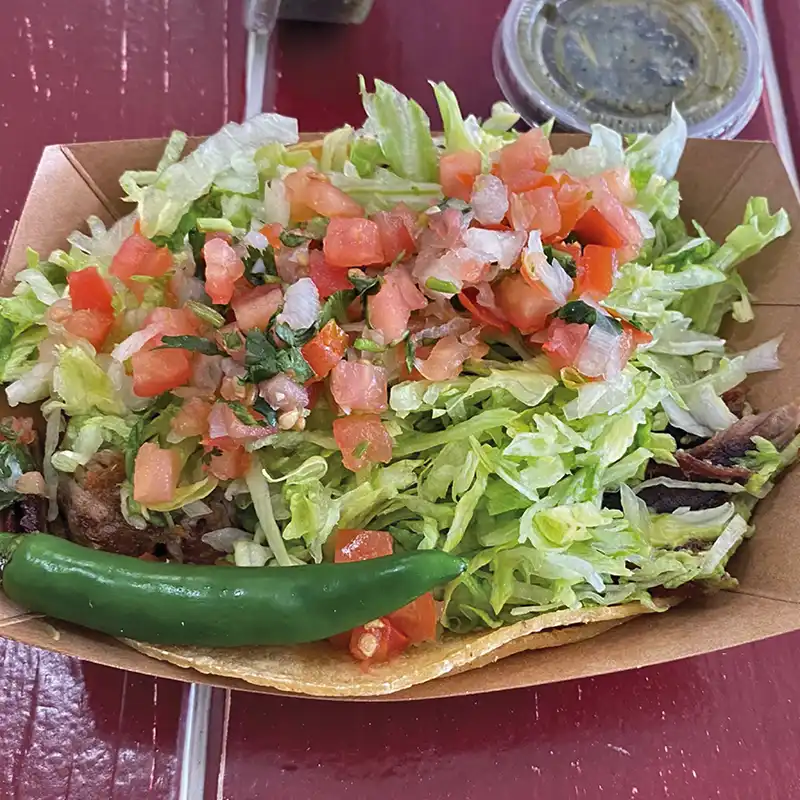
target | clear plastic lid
[{"x": 623, "y": 63}]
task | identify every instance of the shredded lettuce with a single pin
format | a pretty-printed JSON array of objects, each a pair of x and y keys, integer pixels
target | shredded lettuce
[
  {"x": 228, "y": 155},
  {"x": 403, "y": 131}
]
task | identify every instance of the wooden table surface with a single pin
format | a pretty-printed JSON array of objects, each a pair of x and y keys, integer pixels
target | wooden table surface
[{"x": 723, "y": 725}]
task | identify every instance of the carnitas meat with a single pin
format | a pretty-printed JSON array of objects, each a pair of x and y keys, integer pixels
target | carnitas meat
[{"x": 90, "y": 503}]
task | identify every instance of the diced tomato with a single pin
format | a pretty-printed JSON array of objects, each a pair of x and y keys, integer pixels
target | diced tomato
[
  {"x": 327, "y": 279},
  {"x": 256, "y": 307},
  {"x": 158, "y": 371},
  {"x": 525, "y": 306},
  {"x": 173, "y": 321},
  {"x": 360, "y": 545},
  {"x": 273, "y": 230},
  {"x": 358, "y": 386},
  {"x": 572, "y": 199},
  {"x": 341, "y": 641},
  {"x": 536, "y": 210},
  {"x": 325, "y": 199},
  {"x": 572, "y": 248},
  {"x": 192, "y": 418},
  {"x": 363, "y": 439},
  {"x": 223, "y": 269},
  {"x": 376, "y": 642},
  {"x": 594, "y": 228},
  {"x": 596, "y": 268},
  {"x": 353, "y": 243},
  {"x": 522, "y": 162},
  {"x": 618, "y": 217},
  {"x": 155, "y": 474},
  {"x": 485, "y": 316},
  {"x": 94, "y": 326},
  {"x": 619, "y": 184},
  {"x": 312, "y": 194},
  {"x": 445, "y": 359},
  {"x": 417, "y": 620},
  {"x": 295, "y": 184},
  {"x": 457, "y": 173},
  {"x": 229, "y": 464},
  {"x": 564, "y": 341},
  {"x": 326, "y": 349},
  {"x": 89, "y": 291},
  {"x": 139, "y": 256},
  {"x": 396, "y": 230},
  {"x": 390, "y": 308}
]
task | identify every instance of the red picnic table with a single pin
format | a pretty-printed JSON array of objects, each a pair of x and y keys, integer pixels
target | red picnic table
[{"x": 722, "y": 725}]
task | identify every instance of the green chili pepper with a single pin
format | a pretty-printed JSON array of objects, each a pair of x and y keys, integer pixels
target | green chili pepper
[{"x": 211, "y": 606}]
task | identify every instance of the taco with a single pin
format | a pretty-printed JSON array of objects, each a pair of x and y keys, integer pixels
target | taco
[{"x": 430, "y": 400}]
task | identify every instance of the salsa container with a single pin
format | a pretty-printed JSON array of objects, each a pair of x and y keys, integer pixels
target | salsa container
[{"x": 622, "y": 63}]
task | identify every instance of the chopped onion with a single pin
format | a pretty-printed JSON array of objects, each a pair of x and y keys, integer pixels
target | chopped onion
[
  {"x": 224, "y": 539},
  {"x": 454, "y": 327},
  {"x": 217, "y": 422},
  {"x": 600, "y": 353},
  {"x": 500, "y": 247},
  {"x": 487, "y": 299},
  {"x": 292, "y": 263},
  {"x": 257, "y": 240},
  {"x": 232, "y": 369},
  {"x": 300, "y": 305},
  {"x": 489, "y": 199},
  {"x": 283, "y": 394},
  {"x": 134, "y": 343},
  {"x": 554, "y": 278},
  {"x": 207, "y": 373},
  {"x": 187, "y": 287}
]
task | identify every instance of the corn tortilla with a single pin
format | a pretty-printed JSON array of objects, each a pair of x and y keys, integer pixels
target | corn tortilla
[{"x": 320, "y": 670}]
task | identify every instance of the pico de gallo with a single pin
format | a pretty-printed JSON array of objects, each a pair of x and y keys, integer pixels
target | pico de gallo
[{"x": 387, "y": 340}]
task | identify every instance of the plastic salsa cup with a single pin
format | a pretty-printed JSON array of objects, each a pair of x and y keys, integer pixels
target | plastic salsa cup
[{"x": 623, "y": 63}]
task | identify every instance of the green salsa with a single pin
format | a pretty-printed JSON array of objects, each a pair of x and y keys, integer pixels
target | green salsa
[{"x": 623, "y": 63}]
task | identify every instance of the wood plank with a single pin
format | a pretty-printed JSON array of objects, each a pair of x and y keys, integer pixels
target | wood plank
[{"x": 78, "y": 731}]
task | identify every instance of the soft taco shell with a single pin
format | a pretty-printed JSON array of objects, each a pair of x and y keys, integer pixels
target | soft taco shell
[{"x": 320, "y": 670}]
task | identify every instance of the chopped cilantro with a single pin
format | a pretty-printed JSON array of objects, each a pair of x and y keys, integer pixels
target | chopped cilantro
[
  {"x": 264, "y": 360},
  {"x": 195, "y": 344},
  {"x": 292, "y": 238},
  {"x": 578, "y": 312}
]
